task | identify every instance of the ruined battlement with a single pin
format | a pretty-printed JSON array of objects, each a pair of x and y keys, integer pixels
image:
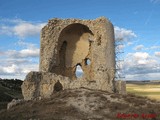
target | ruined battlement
[{"x": 67, "y": 44}]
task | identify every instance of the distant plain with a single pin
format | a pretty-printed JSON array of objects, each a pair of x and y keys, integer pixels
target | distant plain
[{"x": 150, "y": 90}]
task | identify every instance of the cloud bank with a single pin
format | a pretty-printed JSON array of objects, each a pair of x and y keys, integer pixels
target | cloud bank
[
  {"x": 123, "y": 34},
  {"x": 16, "y": 63},
  {"x": 20, "y": 28},
  {"x": 141, "y": 64}
]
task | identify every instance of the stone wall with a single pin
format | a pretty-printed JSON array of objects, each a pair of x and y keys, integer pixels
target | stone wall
[
  {"x": 120, "y": 87},
  {"x": 66, "y": 44},
  {"x": 44, "y": 84},
  {"x": 84, "y": 39}
]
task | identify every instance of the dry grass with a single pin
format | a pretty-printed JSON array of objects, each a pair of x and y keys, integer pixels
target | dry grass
[
  {"x": 149, "y": 90},
  {"x": 81, "y": 104}
]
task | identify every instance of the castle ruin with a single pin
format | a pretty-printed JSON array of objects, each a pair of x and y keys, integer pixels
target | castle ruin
[{"x": 68, "y": 44}]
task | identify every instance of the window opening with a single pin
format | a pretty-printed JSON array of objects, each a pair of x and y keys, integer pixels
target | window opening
[{"x": 79, "y": 72}]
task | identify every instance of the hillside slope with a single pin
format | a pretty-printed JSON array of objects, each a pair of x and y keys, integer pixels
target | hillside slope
[
  {"x": 9, "y": 89},
  {"x": 84, "y": 104}
]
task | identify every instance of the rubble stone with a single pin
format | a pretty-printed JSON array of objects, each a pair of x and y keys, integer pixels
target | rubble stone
[{"x": 66, "y": 44}]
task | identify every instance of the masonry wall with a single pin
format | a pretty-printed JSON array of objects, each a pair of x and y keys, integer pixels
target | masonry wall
[
  {"x": 85, "y": 39},
  {"x": 67, "y": 43}
]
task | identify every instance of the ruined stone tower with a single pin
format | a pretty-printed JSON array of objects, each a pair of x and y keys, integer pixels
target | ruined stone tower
[{"x": 66, "y": 44}]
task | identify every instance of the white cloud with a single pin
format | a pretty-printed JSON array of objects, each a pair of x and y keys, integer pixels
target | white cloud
[
  {"x": 20, "y": 28},
  {"x": 21, "y": 43},
  {"x": 155, "y": 1},
  {"x": 140, "y": 55},
  {"x": 17, "y": 67},
  {"x": 139, "y": 47},
  {"x": 17, "y": 70},
  {"x": 120, "y": 47},
  {"x": 149, "y": 76},
  {"x": 123, "y": 34},
  {"x": 5, "y": 30},
  {"x": 12, "y": 21},
  {"x": 27, "y": 29},
  {"x": 138, "y": 65},
  {"x": 157, "y": 54},
  {"x": 25, "y": 53},
  {"x": 129, "y": 43},
  {"x": 17, "y": 63},
  {"x": 10, "y": 69},
  {"x": 142, "y": 47},
  {"x": 29, "y": 51}
]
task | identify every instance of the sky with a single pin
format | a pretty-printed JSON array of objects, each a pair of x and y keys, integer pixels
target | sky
[{"x": 136, "y": 23}]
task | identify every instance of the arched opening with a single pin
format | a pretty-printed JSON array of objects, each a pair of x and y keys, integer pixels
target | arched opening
[
  {"x": 87, "y": 61},
  {"x": 73, "y": 47},
  {"x": 79, "y": 72},
  {"x": 58, "y": 86}
]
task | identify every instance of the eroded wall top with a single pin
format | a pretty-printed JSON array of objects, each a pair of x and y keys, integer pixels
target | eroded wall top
[
  {"x": 67, "y": 44},
  {"x": 70, "y": 42}
]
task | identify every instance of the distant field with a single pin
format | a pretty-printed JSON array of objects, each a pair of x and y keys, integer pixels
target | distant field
[{"x": 147, "y": 89}]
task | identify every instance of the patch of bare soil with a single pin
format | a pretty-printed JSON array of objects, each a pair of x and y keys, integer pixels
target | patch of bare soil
[{"x": 85, "y": 104}]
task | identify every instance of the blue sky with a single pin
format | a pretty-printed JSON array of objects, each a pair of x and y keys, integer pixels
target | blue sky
[{"x": 135, "y": 21}]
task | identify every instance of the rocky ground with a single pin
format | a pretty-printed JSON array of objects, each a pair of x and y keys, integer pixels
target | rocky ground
[{"x": 85, "y": 104}]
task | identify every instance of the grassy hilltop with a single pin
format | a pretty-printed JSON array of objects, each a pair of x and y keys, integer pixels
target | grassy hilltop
[{"x": 83, "y": 103}]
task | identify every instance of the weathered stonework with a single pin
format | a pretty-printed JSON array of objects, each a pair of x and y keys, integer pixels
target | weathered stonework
[
  {"x": 65, "y": 44},
  {"x": 120, "y": 87}
]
